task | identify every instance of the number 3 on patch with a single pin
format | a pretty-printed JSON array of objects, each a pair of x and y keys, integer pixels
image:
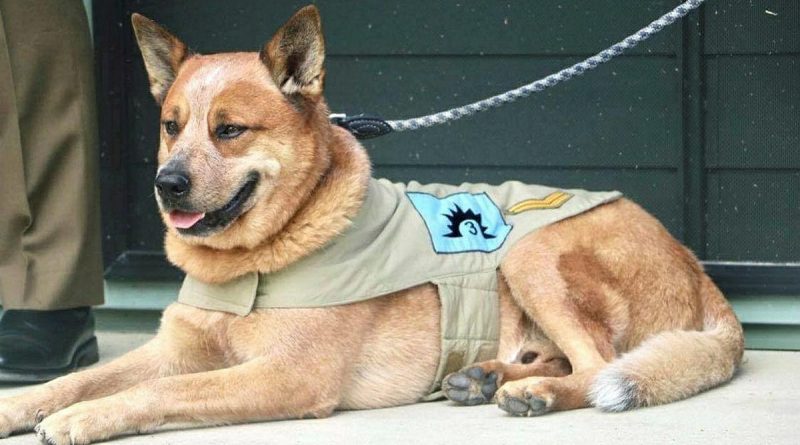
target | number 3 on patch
[{"x": 462, "y": 222}]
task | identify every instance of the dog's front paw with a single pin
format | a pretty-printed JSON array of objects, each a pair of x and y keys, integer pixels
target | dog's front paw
[
  {"x": 78, "y": 424},
  {"x": 526, "y": 397},
  {"x": 6, "y": 425},
  {"x": 15, "y": 417}
]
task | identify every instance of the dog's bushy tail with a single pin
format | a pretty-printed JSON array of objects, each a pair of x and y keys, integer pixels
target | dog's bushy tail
[{"x": 673, "y": 365}]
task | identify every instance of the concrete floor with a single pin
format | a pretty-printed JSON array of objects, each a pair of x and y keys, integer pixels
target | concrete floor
[{"x": 761, "y": 406}]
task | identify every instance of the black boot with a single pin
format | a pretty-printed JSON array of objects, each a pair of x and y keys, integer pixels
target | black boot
[{"x": 36, "y": 346}]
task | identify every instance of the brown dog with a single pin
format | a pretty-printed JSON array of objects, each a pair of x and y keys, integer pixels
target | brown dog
[{"x": 603, "y": 309}]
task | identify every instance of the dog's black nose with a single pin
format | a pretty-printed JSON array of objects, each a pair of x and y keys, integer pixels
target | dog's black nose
[{"x": 172, "y": 185}]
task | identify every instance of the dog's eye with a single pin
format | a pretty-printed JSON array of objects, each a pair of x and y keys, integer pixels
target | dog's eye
[
  {"x": 229, "y": 131},
  {"x": 171, "y": 127}
]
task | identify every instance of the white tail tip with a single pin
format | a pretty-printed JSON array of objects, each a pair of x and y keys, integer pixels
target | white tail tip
[{"x": 613, "y": 391}]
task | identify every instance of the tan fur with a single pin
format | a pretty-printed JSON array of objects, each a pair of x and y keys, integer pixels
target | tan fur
[
  {"x": 296, "y": 54},
  {"x": 162, "y": 54},
  {"x": 604, "y": 308}
]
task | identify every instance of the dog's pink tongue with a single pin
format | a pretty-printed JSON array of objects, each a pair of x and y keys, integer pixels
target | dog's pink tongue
[{"x": 184, "y": 220}]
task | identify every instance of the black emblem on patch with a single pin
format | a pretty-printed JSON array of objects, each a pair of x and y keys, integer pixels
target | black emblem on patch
[{"x": 469, "y": 221}]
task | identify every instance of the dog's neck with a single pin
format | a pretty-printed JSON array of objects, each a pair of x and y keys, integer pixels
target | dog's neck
[{"x": 328, "y": 212}]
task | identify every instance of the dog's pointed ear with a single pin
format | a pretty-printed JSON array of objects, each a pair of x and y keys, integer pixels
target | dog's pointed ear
[
  {"x": 296, "y": 53},
  {"x": 162, "y": 52}
]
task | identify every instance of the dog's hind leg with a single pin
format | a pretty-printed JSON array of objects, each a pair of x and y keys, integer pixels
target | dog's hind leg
[
  {"x": 564, "y": 290},
  {"x": 477, "y": 384},
  {"x": 524, "y": 351},
  {"x": 157, "y": 358}
]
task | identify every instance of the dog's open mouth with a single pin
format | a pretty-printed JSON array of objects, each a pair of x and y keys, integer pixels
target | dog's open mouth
[{"x": 202, "y": 224}]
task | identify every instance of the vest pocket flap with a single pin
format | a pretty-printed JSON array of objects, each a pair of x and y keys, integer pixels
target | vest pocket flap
[{"x": 236, "y": 296}]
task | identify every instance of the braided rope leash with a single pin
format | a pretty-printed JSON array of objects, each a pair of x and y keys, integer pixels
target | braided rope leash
[{"x": 365, "y": 127}]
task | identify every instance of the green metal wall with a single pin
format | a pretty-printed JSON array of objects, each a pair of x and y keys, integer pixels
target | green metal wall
[{"x": 701, "y": 125}]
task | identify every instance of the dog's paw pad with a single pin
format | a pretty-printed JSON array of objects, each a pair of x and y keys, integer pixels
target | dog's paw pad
[
  {"x": 514, "y": 406},
  {"x": 538, "y": 406},
  {"x": 529, "y": 406},
  {"x": 471, "y": 386}
]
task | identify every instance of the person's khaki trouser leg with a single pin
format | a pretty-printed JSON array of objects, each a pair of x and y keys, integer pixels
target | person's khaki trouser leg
[{"x": 49, "y": 221}]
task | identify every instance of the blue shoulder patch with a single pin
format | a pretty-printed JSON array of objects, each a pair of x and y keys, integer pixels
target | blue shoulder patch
[{"x": 462, "y": 222}]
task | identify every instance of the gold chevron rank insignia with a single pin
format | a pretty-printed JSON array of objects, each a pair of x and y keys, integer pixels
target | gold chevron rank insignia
[{"x": 551, "y": 201}]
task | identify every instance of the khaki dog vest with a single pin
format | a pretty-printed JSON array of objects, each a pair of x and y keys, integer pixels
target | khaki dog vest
[{"x": 406, "y": 235}]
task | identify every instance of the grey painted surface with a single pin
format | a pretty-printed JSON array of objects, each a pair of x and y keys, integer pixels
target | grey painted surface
[{"x": 760, "y": 406}]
